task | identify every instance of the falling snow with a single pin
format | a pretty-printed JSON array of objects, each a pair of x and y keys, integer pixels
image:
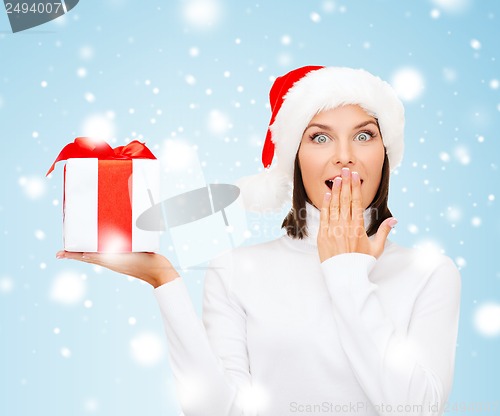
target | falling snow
[
  {"x": 286, "y": 40},
  {"x": 315, "y": 17},
  {"x": 89, "y": 97},
  {"x": 65, "y": 352},
  {"x": 452, "y": 6},
  {"x": 462, "y": 155},
  {"x": 476, "y": 221},
  {"x": 435, "y": 13},
  {"x": 475, "y": 44},
  {"x": 413, "y": 229},
  {"x": 190, "y": 79},
  {"x": 460, "y": 262},
  {"x": 202, "y": 14},
  {"x": 444, "y": 156},
  {"x": 99, "y": 127},
  {"x": 67, "y": 288},
  {"x": 408, "y": 83},
  {"x": 34, "y": 187},
  {"x": 91, "y": 405},
  {"x": 81, "y": 72},
  {"x": 194, "y": 52},
  {"x": 218, "y": 122},
  {"x": 487, "y": 319},
  {"x": 86, "y": 53},
  {"x": 147, "y": 349},
  {"x": 6, "y": 284}
]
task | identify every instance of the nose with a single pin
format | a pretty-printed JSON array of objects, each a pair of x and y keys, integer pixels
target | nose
[{"x": 343, "y": 154}]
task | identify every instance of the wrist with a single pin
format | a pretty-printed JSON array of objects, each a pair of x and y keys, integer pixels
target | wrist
[{"x": 166, "y": 276}]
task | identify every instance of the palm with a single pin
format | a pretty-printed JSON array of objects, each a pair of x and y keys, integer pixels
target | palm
[{"x": 152, "y": 268}]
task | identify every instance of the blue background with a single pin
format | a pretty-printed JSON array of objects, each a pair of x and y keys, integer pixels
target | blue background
[{"x": 155, "y": 73}]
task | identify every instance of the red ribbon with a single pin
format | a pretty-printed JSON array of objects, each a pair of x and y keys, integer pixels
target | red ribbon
[
  {"x": 114, "y": 207},
  {"x": 85, "y": 147}
]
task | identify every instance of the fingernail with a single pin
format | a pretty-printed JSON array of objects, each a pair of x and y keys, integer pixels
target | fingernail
[
  {"x": 345, "y": 172},
  {"x": 328, "y": 195},
  {"x": 355, "y": 175},
  {"x": 393, "y": 222},
  {"x": 337, "y": 181}
]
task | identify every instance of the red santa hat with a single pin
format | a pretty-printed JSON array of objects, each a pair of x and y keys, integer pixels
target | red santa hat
[{"x": 295, "y": 99}]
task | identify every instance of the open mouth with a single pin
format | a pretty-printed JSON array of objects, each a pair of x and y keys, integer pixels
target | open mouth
[{"x": 329, "y": 183}]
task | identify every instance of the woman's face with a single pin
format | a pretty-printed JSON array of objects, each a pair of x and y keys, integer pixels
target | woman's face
[{"x": 341, "y": 137}]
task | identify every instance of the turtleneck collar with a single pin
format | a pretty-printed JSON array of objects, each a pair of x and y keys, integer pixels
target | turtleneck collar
[{"x": 312, "y": 221}]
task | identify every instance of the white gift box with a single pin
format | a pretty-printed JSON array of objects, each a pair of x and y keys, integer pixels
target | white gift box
[{"x": 102, "y": 201}]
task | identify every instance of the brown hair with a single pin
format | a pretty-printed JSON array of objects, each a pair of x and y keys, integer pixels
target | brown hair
[{"x": 295, "y": 222}]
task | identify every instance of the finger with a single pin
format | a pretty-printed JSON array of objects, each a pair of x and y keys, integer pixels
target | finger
[
  {"x": 345, "y": 195},
  {"x": 335, "y": 201},
  {"x": 357, "y": 201},
  {"x": 72, "y": 255},
  {"x": 94, "y": 258},
  {"x": 382, "y": 233},
  {"x": 325, "y": 212}
]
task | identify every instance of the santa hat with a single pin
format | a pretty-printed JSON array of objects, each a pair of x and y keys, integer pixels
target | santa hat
[{"x": 295, "y": 99}]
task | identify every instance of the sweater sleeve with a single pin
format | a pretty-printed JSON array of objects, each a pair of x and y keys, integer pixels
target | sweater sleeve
[
  {"x": 411, "y": 369},
  {"x": 208, "y": 359}
]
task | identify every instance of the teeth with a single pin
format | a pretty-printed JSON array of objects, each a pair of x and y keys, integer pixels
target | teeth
[{"x": 329, "y": 183}]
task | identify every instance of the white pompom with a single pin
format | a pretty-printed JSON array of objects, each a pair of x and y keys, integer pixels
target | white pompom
[{"x": 266, "y": 191}]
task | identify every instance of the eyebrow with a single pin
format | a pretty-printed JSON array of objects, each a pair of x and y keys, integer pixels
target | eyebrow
[{"x": 325, "y": 127}]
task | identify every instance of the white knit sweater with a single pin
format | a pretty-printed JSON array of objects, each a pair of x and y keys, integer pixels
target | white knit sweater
[{"x": 284, "y": 334}]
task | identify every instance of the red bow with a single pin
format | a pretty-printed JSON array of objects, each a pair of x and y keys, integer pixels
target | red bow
[{"x": 85, "y": 147}]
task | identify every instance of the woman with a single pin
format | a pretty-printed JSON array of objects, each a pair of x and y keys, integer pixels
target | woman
[{"x": 332, "y": 317}]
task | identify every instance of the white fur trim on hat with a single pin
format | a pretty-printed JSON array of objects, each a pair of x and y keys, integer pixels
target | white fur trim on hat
[
  {"x": 267, "y": 190},
  {"x": 318, "y": 90}
]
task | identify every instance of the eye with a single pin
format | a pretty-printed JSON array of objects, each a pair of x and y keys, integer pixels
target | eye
[
  {"x": 320, "y": 138},
  {"x": 364, "y": 136}
]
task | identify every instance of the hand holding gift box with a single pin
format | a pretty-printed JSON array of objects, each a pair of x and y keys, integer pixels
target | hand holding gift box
[{"x": 105, "y": 191}]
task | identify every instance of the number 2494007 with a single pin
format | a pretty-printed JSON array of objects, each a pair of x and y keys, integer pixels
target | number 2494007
[{"x": 39, "y": 8}]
